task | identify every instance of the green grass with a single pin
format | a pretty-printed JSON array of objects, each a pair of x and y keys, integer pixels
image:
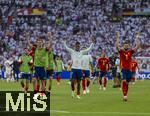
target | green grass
[{"x": 98, "y": 102}]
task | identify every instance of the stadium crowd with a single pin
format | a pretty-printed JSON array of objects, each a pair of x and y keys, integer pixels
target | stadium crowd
[{"x": 70, "y": 20}]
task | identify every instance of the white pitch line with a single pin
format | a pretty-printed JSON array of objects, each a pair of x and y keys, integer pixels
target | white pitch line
[
  {"x": 58, "y": 111},
  {"x": 120, "y": 113}
]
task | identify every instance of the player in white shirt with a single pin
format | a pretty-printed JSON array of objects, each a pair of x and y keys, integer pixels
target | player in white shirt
[
  {"x": 76, "y": 56},
  {"x": 117, "y": 63},
  {"x": 86, "y": 62},
  {"x": 8, "y": 69}
]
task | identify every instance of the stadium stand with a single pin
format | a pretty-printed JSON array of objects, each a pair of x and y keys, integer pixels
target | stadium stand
[{"x": 72, "y": 20}]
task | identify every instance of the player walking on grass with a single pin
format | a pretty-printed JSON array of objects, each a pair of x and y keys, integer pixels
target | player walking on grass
[
  {"x": 50, "y": 62},
  {"x": 59, "y": 69},
  {"x": 25, "y": 62},
  {"x": 76, "y": 56},
  {"x": 39, "y": 64},
  {"x": 103, "y": 65},
  {"x": 86, "y": 62},
  {"x": 126, "y": 54}
]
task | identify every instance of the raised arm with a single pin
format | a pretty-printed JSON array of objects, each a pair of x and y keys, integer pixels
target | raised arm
[
  {"x": 118, "y": 42},
  {"x": 137, "y": 42},
  {"x": 87, "y": 50},
  {"x": 67, "y": 48}
]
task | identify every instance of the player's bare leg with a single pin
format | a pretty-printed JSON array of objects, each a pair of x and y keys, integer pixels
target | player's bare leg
[
  {"x": 26, "y": 86},
  {"x": 43, "y": 82},
  {"x": 78, "y": 88},
  {"x": 34, "y": 83},
  {"x": 100, "y": 83},
  {"x": 73, "y": 87},
  {"x": 50, "y": 85},
  {"x": 22, "y": 85},
  {"x": 105, "y": 83},
  {"x": 83, "y": 86},
  {"x": 125, "y": 90},
  {"x": 87, "y": 85}
]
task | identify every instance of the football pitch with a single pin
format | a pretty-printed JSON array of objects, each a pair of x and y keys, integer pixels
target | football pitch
[{"x": 98, "y": 102}]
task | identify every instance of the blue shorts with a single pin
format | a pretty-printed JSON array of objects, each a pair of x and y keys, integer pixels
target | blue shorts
[
  {"x": 103, "y": 74},
  {"x": 127, "y": 75},
  {"x": 76, "y": 74},
  {"x": 49, "y": 73},
  {"x": 96, "y": 74},
  {"x": 85, "y": 73},
  {"x": 58, "y": 73},
  {"x": 40, "y": 73},
  {"x": 25, "y": 76}
]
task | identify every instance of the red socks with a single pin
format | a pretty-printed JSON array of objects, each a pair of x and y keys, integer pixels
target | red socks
[
  {"x": 58, "y": 78},
  {"x": 105, "y": 81},
  {"x": 83, "y": 84},
  {"x": 124, "y": 88}
]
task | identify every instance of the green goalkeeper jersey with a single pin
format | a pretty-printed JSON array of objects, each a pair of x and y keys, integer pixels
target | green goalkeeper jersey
[
  {"x": 49, "y": 60},
  {"x": 59, "y": 67},
  {"x": 40, "y": 57},
  {"x": 25, "y": 68}
]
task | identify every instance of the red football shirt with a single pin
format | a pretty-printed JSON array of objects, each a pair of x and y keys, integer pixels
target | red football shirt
[
  {"x": 103, "y": 64},
  {"x": 32, "y": 52},
  {"x": 126, "y": 58},
  {"x": 133, "y": 65}
]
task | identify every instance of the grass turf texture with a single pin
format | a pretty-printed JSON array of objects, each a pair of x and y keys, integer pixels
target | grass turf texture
[{"x": 98, "y": 102}]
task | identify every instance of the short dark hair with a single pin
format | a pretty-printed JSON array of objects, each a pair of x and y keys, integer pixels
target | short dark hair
[
  {"x": 77, "y": 43},
  {"x": 126, "y": 42}
]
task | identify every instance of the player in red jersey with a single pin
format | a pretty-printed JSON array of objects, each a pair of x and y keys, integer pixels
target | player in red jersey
[
  {"x": 134, "y": 66},
  {"x": 103, "y": 65},
  {"x": 125, "y": 61}
]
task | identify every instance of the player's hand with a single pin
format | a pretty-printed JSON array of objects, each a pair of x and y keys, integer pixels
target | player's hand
[{"x": 94, "y": 40}]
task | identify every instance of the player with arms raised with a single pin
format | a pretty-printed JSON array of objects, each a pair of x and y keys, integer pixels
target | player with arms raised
[
  {"x": 76, "y": 56},
  {"x": 126, "y": 54}
]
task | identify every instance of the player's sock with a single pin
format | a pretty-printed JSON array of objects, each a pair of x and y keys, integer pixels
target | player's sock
[
  {"x": 72, "y": 85},
  {"x": 83, "y": 84},
  {"x": 57, "y": 78},
  {"x": 88, "y": 83},
  {"x": 105, "y": 81},
  {"x": 124, "y": 88},
  {"x": 78, "y": 88}
]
